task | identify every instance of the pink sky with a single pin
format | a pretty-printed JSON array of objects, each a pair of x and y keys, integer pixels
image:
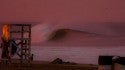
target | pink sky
[
  {"x": 106, "y": 17},
  {"x": 63, "y": 10}
]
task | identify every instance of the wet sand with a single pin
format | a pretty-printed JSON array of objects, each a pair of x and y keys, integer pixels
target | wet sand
[{"x": 42, "y": 65}]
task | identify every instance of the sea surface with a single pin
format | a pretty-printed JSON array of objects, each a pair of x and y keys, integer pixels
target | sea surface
[{"x": 82, "y": 55}]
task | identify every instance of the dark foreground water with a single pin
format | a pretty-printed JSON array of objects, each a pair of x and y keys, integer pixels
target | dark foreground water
[{"x": 83, "y": 55}]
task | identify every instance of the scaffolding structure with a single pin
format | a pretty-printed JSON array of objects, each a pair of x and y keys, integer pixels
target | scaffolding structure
[{"x": 22, "y": 33}]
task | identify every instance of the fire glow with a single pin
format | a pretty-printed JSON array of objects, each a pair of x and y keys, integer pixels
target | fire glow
[{"x": 5, "y": 32}]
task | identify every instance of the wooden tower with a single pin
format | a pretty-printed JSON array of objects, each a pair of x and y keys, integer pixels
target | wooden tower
[{"x": 22, "y": 33}]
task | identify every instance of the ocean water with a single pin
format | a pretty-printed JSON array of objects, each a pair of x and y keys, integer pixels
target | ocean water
[{"x": 83, "y": 55}]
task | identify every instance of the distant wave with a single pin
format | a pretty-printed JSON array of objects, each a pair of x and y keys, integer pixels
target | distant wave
[{"x": 60, "y": 33}]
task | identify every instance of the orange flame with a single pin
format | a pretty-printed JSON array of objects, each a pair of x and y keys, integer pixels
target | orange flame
[{"x": 5, "y": 32}]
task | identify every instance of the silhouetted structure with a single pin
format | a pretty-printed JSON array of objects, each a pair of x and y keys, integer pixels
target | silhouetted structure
[
  {"x": 16, "y": 39},
  {"x": 22, "y": 34}
]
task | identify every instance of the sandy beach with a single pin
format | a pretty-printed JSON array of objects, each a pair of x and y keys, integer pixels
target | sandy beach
[{"x": 43, "y": 65}]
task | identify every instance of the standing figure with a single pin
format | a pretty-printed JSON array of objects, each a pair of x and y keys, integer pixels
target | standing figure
[{"x": 5, "y": 49}]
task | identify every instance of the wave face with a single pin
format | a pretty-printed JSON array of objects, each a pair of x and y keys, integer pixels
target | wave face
[{"x": 44, "y": 32}]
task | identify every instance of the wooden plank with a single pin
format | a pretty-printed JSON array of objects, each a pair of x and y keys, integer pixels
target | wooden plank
[
  {"x": 21, "y": 38},
  {"x": 19, "y": 31},
  {"x": 20, "y": 24}
]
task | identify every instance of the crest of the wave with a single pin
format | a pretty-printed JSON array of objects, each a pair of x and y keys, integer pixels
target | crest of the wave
[
  {"x": 47, "y": 32},
  {"x": 50, "y": 35}
]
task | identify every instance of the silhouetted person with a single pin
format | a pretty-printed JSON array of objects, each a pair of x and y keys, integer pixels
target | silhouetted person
[
  {"x": 5, "y": 48},
  {"x": 32, "y": 57}
]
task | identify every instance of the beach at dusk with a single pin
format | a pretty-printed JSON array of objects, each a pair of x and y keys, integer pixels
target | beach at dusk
[{"x": 62, "y": 32}]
